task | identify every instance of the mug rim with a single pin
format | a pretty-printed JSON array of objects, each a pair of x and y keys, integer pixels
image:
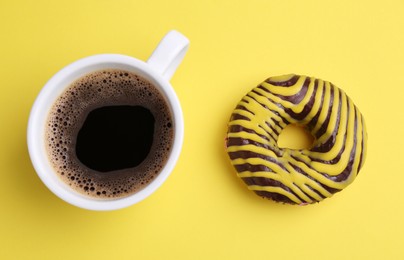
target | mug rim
[{"x": 56, "y": 85}]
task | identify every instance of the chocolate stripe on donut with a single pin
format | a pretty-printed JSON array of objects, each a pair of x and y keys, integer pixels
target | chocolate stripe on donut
[
  {"x": 284, "y": 83},
  {"x": 297, "y": 176},
  {"x": 329, "y": 140},
  {"x": 320, "y": 128}
]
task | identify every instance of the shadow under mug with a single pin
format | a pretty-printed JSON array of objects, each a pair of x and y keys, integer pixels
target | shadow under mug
[{"x": 158, "y": 70}]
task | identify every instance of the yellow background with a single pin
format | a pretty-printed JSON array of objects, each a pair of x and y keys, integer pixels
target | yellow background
[{"x": 204, "y": 211}]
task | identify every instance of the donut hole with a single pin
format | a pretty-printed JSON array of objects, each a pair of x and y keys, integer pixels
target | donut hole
[{"x": 296, "y": 137}]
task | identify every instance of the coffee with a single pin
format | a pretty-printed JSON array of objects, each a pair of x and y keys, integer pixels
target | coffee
[{"x": 109, "y": 134}]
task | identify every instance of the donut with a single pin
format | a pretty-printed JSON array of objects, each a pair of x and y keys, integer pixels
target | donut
[{"x": 296, "y": 176}]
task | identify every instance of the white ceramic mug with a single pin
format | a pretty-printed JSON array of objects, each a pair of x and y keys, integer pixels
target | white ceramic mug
[{"x": 158, "y": 70}]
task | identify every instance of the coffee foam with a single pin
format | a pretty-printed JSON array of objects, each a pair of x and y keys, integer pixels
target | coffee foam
[{"x": 68, "y": 113}]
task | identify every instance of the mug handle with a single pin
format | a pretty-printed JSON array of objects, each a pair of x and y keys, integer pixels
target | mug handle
[{"x": 169, "y": 54}]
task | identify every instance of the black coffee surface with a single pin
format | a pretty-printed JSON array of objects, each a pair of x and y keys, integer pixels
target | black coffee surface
[
  {"x": 109, "y": 134},
  {"x": 115, "y": 137}
]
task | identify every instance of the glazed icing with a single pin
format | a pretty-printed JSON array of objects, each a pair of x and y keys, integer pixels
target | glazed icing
[{"x": 305, "y": 175}]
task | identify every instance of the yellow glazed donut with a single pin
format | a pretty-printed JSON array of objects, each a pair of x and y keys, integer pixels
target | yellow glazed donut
[{"x": 291, "y": 176}]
